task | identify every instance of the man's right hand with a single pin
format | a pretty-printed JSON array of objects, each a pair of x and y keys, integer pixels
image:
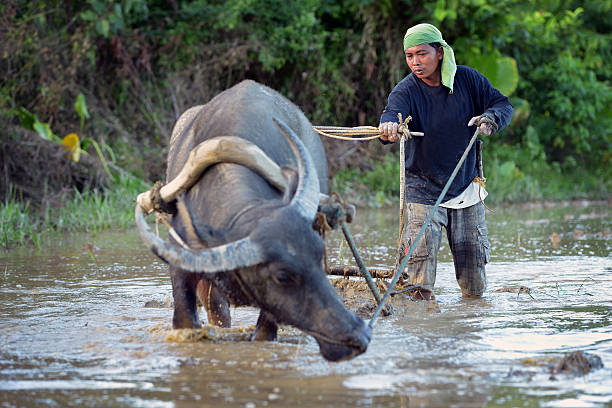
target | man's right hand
[{"x": 388, "y": 132}]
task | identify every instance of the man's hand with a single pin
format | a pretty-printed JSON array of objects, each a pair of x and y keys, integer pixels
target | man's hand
[
  {"x": 388, "y": 131},
  {"x": 486, "y": 125}
]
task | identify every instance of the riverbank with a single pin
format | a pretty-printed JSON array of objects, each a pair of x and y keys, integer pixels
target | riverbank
[
  {"x": 90, "y": 211},
  {"x": 510, "y": 180},
  {"x": 24, "y": 223}
]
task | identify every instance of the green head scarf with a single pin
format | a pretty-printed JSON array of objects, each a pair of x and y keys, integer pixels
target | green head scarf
[{"x": 425, "y": 34}]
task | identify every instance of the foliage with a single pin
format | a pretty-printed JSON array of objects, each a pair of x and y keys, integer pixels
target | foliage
[
  {"x": 30, "y": 121},
  {"x": 139, "y": 63},
  {"x": 381, "y": 179},
  {"x": 18, "y": 225},
  {"x": 337, "y": 59},
  {"x": 564, "y": 83},
  {"x": 512, "y": 176}
]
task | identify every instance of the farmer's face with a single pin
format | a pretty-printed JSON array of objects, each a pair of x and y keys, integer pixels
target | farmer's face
[{"x": 424, "y": 61}]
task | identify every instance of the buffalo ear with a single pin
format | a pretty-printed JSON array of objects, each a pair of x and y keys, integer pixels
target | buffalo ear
[
  {"x": 208, "y": 235},
  {"x": 291, "y": 175},
  {"x": 306, "y": 198}
]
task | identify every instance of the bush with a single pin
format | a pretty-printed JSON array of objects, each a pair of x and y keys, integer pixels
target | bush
[{"x": 140, "y": 63}]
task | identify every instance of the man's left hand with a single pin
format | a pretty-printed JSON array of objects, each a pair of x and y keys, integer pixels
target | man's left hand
[{"x": 485, "y": 127}]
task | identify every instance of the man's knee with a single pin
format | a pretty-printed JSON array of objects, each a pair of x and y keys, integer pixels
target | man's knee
[
  {"x": 471, "y": 251},
  {"x": 472, "y": 279}
]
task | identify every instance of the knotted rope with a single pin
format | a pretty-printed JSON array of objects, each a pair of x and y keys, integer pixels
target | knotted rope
[
  {"x": 402, "y": 130},
  {"x": 363, "y": 133},
  {"x": 371, "y": 132},
  {"x": 481, "y": 186},
  {"x": 159, "y": 204}
]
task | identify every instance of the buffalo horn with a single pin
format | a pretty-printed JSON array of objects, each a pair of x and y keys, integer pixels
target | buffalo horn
[
  {"x": 306, "y": 198},
  {"x": 238, "y": 254},
  {"x": 230, "y": 149}
]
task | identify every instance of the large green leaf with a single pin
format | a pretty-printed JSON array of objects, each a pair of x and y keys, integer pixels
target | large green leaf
[
  {"x": 501, "y": 71},
  {"x": 30, "y": 121},
  {"x": 81, "y": 107},
  {"x": 44, "y": 131},
  {"x": 507, "y": 75},
  {"x": 27, "y": 118}
]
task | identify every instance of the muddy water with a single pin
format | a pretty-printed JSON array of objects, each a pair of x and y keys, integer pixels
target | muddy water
[{"x": 74, "y": 329}]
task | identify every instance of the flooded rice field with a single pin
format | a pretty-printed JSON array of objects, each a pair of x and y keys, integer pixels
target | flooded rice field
[{"x": 85, "y": 322}]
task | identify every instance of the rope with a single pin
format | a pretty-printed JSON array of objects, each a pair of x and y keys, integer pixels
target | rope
[
  {"x": 408, "y": 289},
  {"x": 159, "y": 205},
  {"x": 481, "y": 186},
  {"x": 171, "y": 231},
  {"x": 343, "y": 133},
  {"x": 404, "y": 127},
  {"x": 398, "y": 273},
  {"x": 363, "y": 132},
  {"x": 371, "y": 132},
  {"x": 402, "y": 190}
]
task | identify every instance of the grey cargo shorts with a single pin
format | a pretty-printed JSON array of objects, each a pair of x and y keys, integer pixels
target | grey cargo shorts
[{"x": 466, "y": 231}]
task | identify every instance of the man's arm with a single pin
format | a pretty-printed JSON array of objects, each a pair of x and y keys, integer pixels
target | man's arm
[
  {"x": 495, "y": 107},
  {"x": 397, "y": 102}
]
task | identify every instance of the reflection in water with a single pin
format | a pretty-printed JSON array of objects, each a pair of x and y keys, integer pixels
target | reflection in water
[{"x": 74, "y": 329}]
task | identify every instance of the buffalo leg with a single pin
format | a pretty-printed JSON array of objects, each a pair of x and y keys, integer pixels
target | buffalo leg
[
  {"x": 266, "y": 328},
  {"x": 184, "y": 293},
  {"x": 216, "y": 305}
]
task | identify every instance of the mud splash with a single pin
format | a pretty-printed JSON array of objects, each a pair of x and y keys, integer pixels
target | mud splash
[{"x": 358, "y": 297}]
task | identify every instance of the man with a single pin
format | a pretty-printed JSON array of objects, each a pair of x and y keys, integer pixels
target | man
[{"x": 446, "y": 103}]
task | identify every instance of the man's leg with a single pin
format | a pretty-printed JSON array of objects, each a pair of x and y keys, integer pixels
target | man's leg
[
  {"x": 421, "y": 267},
  {"x": 467, "y": 235}
]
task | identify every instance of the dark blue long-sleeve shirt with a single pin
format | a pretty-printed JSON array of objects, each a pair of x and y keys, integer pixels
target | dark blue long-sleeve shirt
[{"x": 443, "y": 117}]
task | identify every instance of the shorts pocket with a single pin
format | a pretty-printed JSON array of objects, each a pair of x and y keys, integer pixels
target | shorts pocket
[
  {"x": 421, "y": 251},
  {"x": 484, "y": 247}
]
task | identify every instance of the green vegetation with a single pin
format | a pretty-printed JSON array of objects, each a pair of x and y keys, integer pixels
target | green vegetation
[
  {"x": 374, "y": 187},
  {"x": 90, "y": 211},
  {"x": 107, "y": 79}
]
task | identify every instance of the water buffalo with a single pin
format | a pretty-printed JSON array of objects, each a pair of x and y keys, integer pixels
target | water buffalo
[{"x": 248, "y": 235}]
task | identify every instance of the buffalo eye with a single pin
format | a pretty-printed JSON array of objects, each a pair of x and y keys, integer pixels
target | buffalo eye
[{"x": 284, "y": 277}]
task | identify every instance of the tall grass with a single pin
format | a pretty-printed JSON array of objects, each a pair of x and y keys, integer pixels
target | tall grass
[
  {"x": 89, "y": 211},
  {"x": 17, "y": 225}
]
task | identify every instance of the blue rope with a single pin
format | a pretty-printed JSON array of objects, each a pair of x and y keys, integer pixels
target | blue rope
[{"x": 398, "y": 273}]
